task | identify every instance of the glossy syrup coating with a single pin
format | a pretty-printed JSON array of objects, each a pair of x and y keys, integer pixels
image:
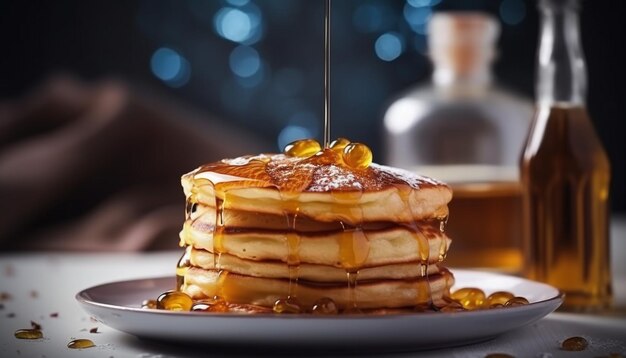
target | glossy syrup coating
[
  {"x": 152, "y": 304},
  {"x": 325, "y": 306},
  {"x": 357, "y": 155},
  {"x": 174, "y": 301},
  {"x": 287, "y": 305},
  {"x": 28, "y": 334},
  {"x": 302, "y": 148},
  {"x": 499, "y": 298},
  {"x": 516, "y": 301},
  {"x": 338, "y": 145},
  {"x": 574, "y": 344},
  {"x": 471, "y": 298},
  {"x": 216, "y": 305},
  {"x": 80, "y": 344}
]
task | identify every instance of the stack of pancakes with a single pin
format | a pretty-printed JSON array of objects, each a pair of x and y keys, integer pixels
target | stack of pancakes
[{"x": 264, "y": 228}]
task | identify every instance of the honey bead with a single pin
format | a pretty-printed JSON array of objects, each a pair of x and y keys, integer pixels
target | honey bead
[
  {"x": 287, "y": 305},
  {"x": 339, "y": 144},
  {"x": 80, "y": 344},
  {"x": 452, "y": 307},
  {"x": 574, "y": 344},
  {"x": 470, "y": 298},
  {"x": 303, "y": 148},
  {"x": 149, "y": 304},
  {"x": 28, "y": 334},
  {"x": 516, "y": 301},
  {"x": 216, "y": 305},
  {"x": 174, "y": 301},
  {"x": 357, "y": 156},
  {"x": 325, "y": 306},
  {"x": 499, "y": 298}
]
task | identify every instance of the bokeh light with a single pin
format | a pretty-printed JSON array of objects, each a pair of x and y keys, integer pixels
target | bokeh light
[
  {"x": 389, "y": 46},
  {"x": 170, "y": 67},
  {"x": 423, "y": 3},
  {"x": 291, "y": 133},
  {"x": 244, "y": 61},
  {"x": 238, "y": 2},
  {"x": 512, "y": 12},
  {"x": 417, "y": 17}
]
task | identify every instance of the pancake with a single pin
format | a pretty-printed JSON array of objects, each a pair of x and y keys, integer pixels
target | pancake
[
  {"x": 318, "y": 188},
  {"x": 365, "y": 248},
  {"x": 241, "y": 289},
  {"x": 308, "y": 272},
  {"x": 260, "y": 229}
]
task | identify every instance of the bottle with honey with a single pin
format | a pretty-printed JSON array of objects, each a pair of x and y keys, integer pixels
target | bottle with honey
[
  {"x": 466, "y": 130},
  {"x": 565, "y": 171}
]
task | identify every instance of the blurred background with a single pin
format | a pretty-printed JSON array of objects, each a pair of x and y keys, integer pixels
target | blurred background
[{"x": 258, "y": 64}]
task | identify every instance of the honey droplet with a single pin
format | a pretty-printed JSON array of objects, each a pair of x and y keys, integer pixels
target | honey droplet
[
  {"x": 574, "y": 344},
  {"x": 499, "y": 298},
  {"x": 357, "y": 155},
  {"x": 28, "y": 334},
  {"x": 303, "y": 148},
  {"x": 470, "y": 298},
  {"x": 516, "y": 301},
  {"x": 80, "y": 344},
  {"x": 287, "y": 305},
  {"x": 339, "y": 144},
  {"x": 451, "y": 306},
  {"x": 217, "y": 305},
  {"x": 325, "y": 305},
  {"x": 174, "y": 301},
  {"x": 149, "y": 304}
]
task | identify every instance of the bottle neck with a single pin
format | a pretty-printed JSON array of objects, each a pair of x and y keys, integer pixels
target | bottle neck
[
  {"x": 449, "y": 76},
  {"x": 562, "y": 77}
]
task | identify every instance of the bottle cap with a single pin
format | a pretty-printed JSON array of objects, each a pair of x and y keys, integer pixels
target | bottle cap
[{"x": 463, "y": 28}]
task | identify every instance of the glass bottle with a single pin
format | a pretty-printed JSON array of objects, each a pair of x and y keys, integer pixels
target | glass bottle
[
  {"x": 565, "y": 171},
  {"x": 465, "y": 130}
]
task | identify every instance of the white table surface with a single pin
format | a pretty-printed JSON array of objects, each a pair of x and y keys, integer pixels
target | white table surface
[{"x": 57, "y": 277}]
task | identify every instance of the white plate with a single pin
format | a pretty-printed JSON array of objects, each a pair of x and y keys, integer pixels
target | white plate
[{"x": 117, "y": 305}]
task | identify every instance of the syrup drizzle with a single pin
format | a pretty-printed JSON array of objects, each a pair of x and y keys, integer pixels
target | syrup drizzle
[{"x": 327, "y": 74}]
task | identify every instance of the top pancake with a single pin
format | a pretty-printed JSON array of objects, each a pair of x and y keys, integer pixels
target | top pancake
[{"x": 321, "y": 187}]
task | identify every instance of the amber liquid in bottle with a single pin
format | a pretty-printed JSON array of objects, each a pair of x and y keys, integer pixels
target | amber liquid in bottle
[
  {"x": 495, "y": 244},
  {"x": 566, "y": 177}
]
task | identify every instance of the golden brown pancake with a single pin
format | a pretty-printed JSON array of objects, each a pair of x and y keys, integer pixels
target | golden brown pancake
[
  {"x": 265, "y": 227},
  {"x": 308, "y": 272},
  {"x": 318, "y": 188},
  {"x": 241, "y": 289}
]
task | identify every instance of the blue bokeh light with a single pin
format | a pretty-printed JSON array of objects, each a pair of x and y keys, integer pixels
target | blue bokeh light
[
  {"x": 233, "y": 24},
  {"x": 389, "y": 46},
  {"x": 242, "y": 24},
  {"x": 244, "y": 61},
  {"x": 238, "y": 2},
  {"x": 170, "y": 67},
  {"x": 254, "y": 80},
  {"x": 417, "y": 17},
  {"x": 423, "y": 3},
  {"x": 308, "y": 120},
  {"x": 292, "y": 133},
  {"x": 512, "y": 12}
]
